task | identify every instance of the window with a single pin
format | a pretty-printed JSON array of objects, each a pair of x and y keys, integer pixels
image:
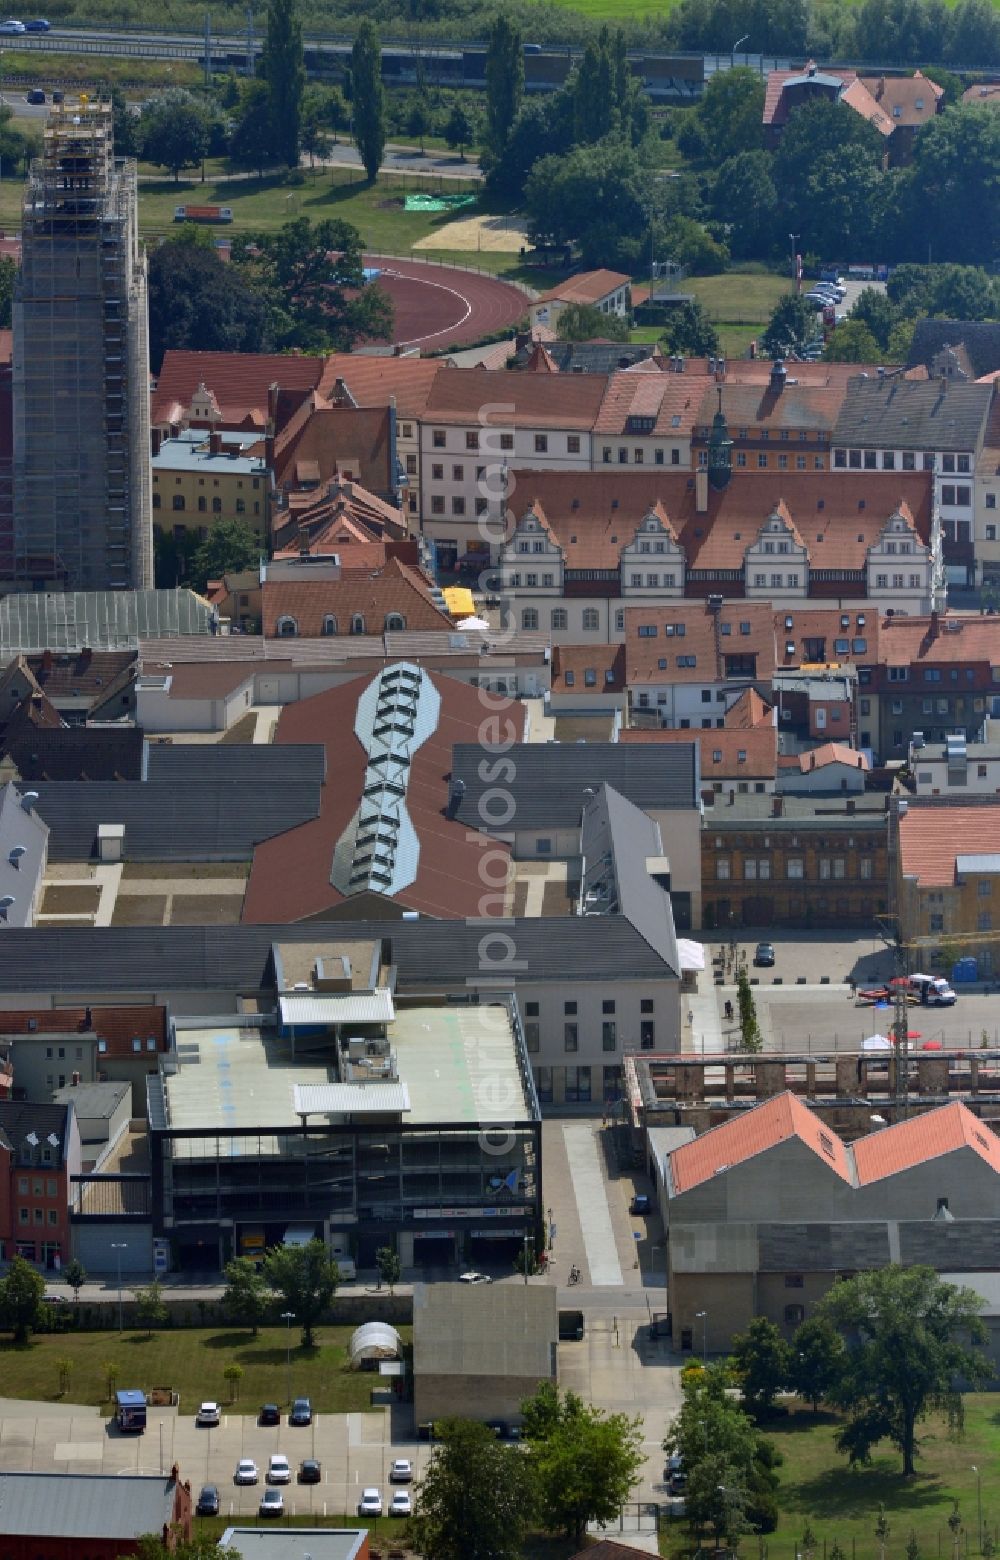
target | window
[
  {"x": 357, "y": 623},
  {"x": 543, "y": 846},
  {"x": 438, "y": 438},
  {"x": 458, "y": 473},
  {"x": 722, "y": 869},
  {"x": 560, "y": 617},
  {"x": 241, "y": 507},
  {"x": 529, "y": 618},
  {"x": 647, "y": 1034},
  {"x": 795, "y": 868},
  {"x": 472, "y": 441},
  {"x": 541, "y": 443},
  {"x": 572, "y": 444},
  {"x": 395, "y": 622},
  {"x": 531, "y": 1010},
  {"x": 591, "y": 619},
  {"x": 865, "y": 867},
  {"x": 437, "y": 504},
  {"x": 543, "y": 1083},
  {"x": 794, "y": 1314},
  {"x": 984, "y": 921},
  {"x": 532, "y": 1034},
  {"x": 937, "y": 923},
  {"x": 762, "y": 462},
  {"x": 571, "y": 1037},
  {"x": 178, "y": 501},
  {"x": 577, "y": 1085},
  {"x": 985, "y": 887},
  {"x": 202, "y": 503},
  {"x": 609, "y": 1039},
  {"x": 329, "y": 625},
  {"x": 287, "y": 629},
  {"x": 606, "y": 454},
  {"x": 458, "y": 506}
]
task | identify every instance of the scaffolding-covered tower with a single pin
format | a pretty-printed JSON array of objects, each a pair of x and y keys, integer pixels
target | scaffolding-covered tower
[{"x": 82, "y": 482}]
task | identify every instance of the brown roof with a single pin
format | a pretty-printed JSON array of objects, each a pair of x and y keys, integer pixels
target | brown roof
[
  {"x": 831, "y": 753},
  {"x": 373, "y": 380},
  {"x": 853, "y": 92},
  {"x": 79, "y": 673},
  {"x": 290, "y": 877},
  {"x": 839, "y": 515},
  {"x": 748, "y": 711},
  {"x": 798, "y": 408},
  {"x": 532, "y": 400},
  {"x": 930, "y": 838},
  {"x": 239, "y": 381},
  {"x": 578, "y": 660},
  {"x": 948, "y": 637},
  {"x": 908, "y": 100},
  {"x": 118, "y": 1026},
  {"x": 319, "y": 441},
  {"x": 703, "y": 641},
  {"x": 726, "y": 754},
  {"x": 757, "y": 371},
  {"x": 928, "y": 1136},
  {"x": 208, "y": 679},
  {"x": 775, "y": 1121},
  {"x": 983, "y": 92},
  {"x": 397, "y": 588},
  {"x": 585, "y": 287},
  {"x": 673, "y": 400},
  {"x": 798, "y": 625}
]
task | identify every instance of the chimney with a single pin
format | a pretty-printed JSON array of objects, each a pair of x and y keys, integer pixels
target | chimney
[
  {"x": 456, "y": 793},
  {"x": 776, "y": 805},
  {"x": 155, "y": 439},
  {"x": 880, "y": 89},
  {"x": 303, "y": 541},
  {"x": 46, "y": 660},
  {"x": 86, "y": 656},
  {"x": 812, "y": 760},
  {"x": 861, "y": 761},
  {"x": 701, "y": 490},
  {"x": 88, "y": 1018},
  {"x": 75, "y": 1080},
  {"x": 215, "y": 443},
  {"x": 720, "y": 370},
  {"x": 935, "y": 626},
  {"x": 776, "y": 383}
]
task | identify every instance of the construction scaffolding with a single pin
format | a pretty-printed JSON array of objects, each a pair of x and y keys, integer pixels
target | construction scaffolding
[{"x": 82, "y": 484}]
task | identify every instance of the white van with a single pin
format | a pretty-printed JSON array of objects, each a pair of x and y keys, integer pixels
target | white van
[
  {"x": 345, "y": 1262},
  {"x": 933, "y": 991}
]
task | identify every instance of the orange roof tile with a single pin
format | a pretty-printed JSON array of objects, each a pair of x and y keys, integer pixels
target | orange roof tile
[
  {"x": 372, "y": 380},
  {"x": 775, "y": 1121},
  {"x": 239, "y": 381},
  {"x": 526, "y": 399},
  {"x": 698, "y": 643},
  {"x": 673, "y": 400},
  {"x": 913, "y": 1142},
  {"x": 949, "y": 638},
  {"x": 930, "y": 839},
  {"x": 585, "y": 287},
  {"x": 578, "y": 660},
  {"x": 117, "y": 1026},
  {"x": 831, "y": 753},
  {"x": 398, "y": 588},
  {"x": 798, "y": 408},
  {"x": 804, "y": 627},
  {"x": 749, "y": 711},
  {"x": 725, "y": 754}
]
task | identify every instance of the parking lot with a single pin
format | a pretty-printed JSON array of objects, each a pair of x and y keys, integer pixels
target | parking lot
[{"x": 355, "y": 1451}]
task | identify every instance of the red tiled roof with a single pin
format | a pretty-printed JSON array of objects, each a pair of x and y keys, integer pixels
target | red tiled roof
[
  {"x": 758, "y": 747},
  {"x": 950, "y": 638},
  {"x": 373, "y": 380},
  {"x": 581, "y": 659},
  {"x": 915, "y": 97},
  {"x": 853, "y": 92},
  {"x": 290, "y": 876},
  {"x": 749, "y": 711},
  {"x": 321, "y": 441},
  {"x": 398, "y": 588},
  {"x": 531, "y": 400},
  {"x": 775, "y": 1121},
  {"x": 983, "y": 92},
  {"x": 585, "y": 287},
  {"x": 239, "y": 381},
  {"x": 673, "y": 400},
  {"x": 930, "y": 838},
  {"x": 831, "y": 753},
  {"x": 798, "y": 625},
  {"x": 118, "y": 1026},
  {"x": 698, "y": 643},
  {"x": 913, "y": 1142},
  {"x": 798, "y": 408}
]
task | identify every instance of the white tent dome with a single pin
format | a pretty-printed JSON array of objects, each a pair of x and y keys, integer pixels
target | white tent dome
[{"x": 375, "y": 1341}]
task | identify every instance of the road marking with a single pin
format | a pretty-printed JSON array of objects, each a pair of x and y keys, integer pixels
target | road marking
[{"x": 591, "y": 1197}]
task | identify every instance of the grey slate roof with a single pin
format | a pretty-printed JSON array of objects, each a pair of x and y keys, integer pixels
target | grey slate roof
[
  {"x": 505, "y": 1330},
  {"x": 98, "y": 619},
  {"x": 428, "y": 954},
  {"x": 273, "y": 1543},
  {"x": 207, "y": 820},
  {"x": 912, "y": 414},
  {"x": 17, "y": 1119},
  {"x": 185, "y": 763},
  {"x": 92, "y": 1099},
  {"x": 69, "y": 753},
  {"x": 550, "y": 778},
  {"x": 980, "y": 338},
  {"x": 617, "y": 839},
  {"x": 84, "y": 1505}
]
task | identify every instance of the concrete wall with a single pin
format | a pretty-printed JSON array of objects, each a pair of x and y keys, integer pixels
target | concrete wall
[
  {"x": 729, "y": 1303},
  {"x": 471, "y": 1397},
  {"x": 46, "y": 1062}
]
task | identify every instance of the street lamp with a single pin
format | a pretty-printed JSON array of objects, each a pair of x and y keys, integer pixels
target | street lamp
[
  {"x": 119, "y": 1246},
  {"x": 288, "y": 1318},
  {"x": 744, "y": 39},
  {"x": 702, "y": 1316},
  {"x": 794, "y": 237},
  {"x": 979, "y": 1504}
]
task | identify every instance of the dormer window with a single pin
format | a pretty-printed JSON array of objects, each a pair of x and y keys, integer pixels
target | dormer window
[
  {"x": 329, "y": 625},
  {"x": 287, "y": 628},
  {"x": 357, "y": 624}
]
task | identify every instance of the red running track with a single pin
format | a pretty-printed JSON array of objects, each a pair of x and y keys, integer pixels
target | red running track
[{"x": 440, "y": 306}]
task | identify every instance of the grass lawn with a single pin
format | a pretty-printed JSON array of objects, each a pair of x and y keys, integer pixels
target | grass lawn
[
  {"x": 738, "y": 297},
  {"x": 190, "y": 1360},
  {"x": 819, "y": 1489}
]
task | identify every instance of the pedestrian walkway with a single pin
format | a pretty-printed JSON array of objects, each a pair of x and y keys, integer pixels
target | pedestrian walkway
[
  {"x": 590, "y": 1192},
  {"x": 703, "y": 1033}
]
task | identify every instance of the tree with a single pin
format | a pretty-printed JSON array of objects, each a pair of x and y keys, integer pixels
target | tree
[
  {"x": 476, "y": 1496},
  {"x": 817, "y": 1359},
  {"x": 201, "y": 1547},
  {"x": 64, "y": 1368},
  {"x": 150, "y": 1307},
  {"x": 22, "y": 1299},
  {"x": 762, "y": 1362},
  {"x": 302, "y": 273},
  {"x": 245, "y": 1297},
  {"x": 731, "y": 112},
  {"x": 504, "y": 82},
  {"x": 690, "y": 332},
  {"x": 905, "y": 1333},
  {"x": 791, "y": 326},
  {"x": 369, "y": 98},
  {"x": 750, "y": 1037},
  {"x": 306, "y": 1279},
  {"x": 389, "y": 1266},
  {"x": 251, "y": 141},
  {"x": 720, "y": 1445},
  {"x": 283, "y": 71},
  {"x": 586, "y": 1461},
  {"x": 124, "y": 124},
  {"x": 233, "y": 1375},
  {"x": 874, "y": 309},
  {"x": 459, "y": 127},
  {"x": 229, "y": 547},
  {"x": 174, "y": 131},
  {"x": 110, "y": 1372},
  {"x": 900, "y": 342},
  {"x": 595, "y": 195},
  {"x": 745, "y": 200},
  {"x": 418, "y": 120},
  {"x": 851, "y": 342},
  {"x": 197, "y": 302},
  {"x": 75, "y": 1275},
  {"x": 956, "y": 166},
  {"x": 582, "y": 322}
]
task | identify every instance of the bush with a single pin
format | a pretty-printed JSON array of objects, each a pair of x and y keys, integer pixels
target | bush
[{"x": 295, "y": 176}]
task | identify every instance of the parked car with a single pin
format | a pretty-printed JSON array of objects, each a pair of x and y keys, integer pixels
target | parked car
[
  {"x": 401, "y": 1471},
  {"x": 208, "y": 1414},
  {"x": 301, "y": 1412},
  {"x": 640, "y": 1203},
  {"x": 246, "y": 1471},
  {"x": 36, "y": 95},
  {"x": 57, "y": 97},
  {"x": 12, "y": 26},
  {"x": 370, "y": 1504},
  {"x": 763, "y": 956},
  {"x": 472, "y": 1277},
  {"x": 38, "y": 25},
  {"x": 278, "y": 1471},
  {"x": 401, "y": 1505},
  {"x": 208, "y": 1501},
  {"x": 272, "y": 1504},
  {"x": 269, "y": 1414},
  {"x": 310, "y": 1471}
]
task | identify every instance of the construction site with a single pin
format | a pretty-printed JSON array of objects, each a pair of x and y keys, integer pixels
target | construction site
[{"x": 83, "y": 506}]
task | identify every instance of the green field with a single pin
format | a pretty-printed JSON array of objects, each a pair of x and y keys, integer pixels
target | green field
[
  {"x": 191, "y": 1361},
  {"x": 820, "y": 1490}
]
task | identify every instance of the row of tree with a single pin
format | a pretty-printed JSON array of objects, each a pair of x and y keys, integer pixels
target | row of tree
[{"x": 884, "y": 1348}]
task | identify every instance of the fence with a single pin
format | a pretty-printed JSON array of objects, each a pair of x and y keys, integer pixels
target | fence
[{"x": 935, "y": 1542}]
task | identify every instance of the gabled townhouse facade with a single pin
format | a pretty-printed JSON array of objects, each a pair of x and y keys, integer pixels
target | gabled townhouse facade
[{"x": 938, "y": 674}]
